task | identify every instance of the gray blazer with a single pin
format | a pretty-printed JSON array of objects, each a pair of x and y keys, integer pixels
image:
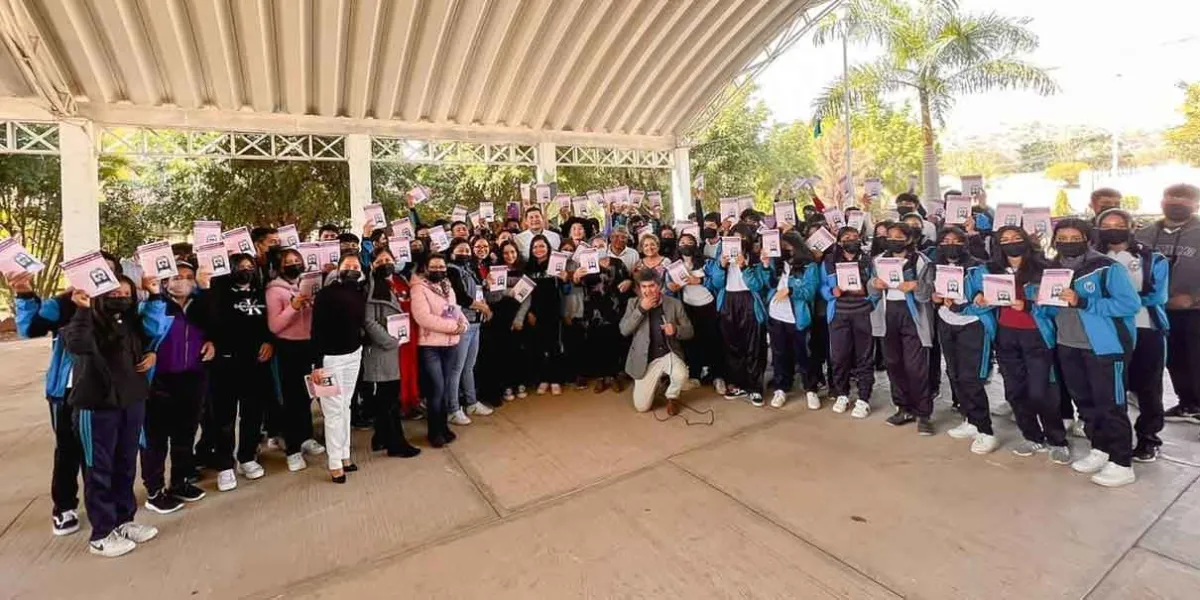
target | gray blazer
[
  {"x": 381, "y": 352},
  {"x": 634, "y": 324}
]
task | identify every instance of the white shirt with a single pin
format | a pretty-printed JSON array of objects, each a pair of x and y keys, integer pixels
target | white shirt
[
  {"x": 629, "y": 256},
  {"x": 734, "y": 282},
  {"x": 1133, "y": 264},
  {"x": 697, "y": 295},
  {"x": 710, "y": 250},
  {"x": 781, "y": 310},
  {"x": 525, "y": 238}
]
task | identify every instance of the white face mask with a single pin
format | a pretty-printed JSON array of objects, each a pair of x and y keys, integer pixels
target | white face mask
[
  {"x": 602, "y": 253},
  {"x": 180, "y": 288}
]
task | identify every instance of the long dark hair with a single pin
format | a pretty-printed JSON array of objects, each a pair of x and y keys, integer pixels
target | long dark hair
[
  {"x": 966, "y": 259},
  {"x": 802, "y": 255},
  {"x": 1032, "y": 262},
  {"x": 532, "y": 265},
  {"x": 107, "y": 323}
]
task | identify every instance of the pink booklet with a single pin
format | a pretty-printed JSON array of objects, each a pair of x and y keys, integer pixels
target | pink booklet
[
  {"x": 213, "y": 258},
  {"x": 458, "y": 213},
  {"x": 375, "y": 216},
  {"x": 401, "y": 251},
  {"x": 999, "y": 290},
  {"x": 14, "y": 258},
  {"x": 679, "y": 272},
  {"x": 958, "y": 209},
  {"x": 835, "y": 218},
  {"x": 419, "y": 194},
  {"x": 654, "y": 199},
  {"x": 636, "y": 197},
  {"x": 579, "y": 206},
  {"x": 311, "y": 252},
  {"x": 731, "y": 247},
  {"x": 157, "y": 260},
  {"x": 331, "y": 252},
  {"x": 729, "y": 209},
  {"x": 497, "y": 278},
  {"x": 403, "y": 228},
  {"x": 770, "y": 243},
  {"x": 890, "y": 270},
  {"x": 558, "y": 262},
  {"x": 397, "y": 327},
  {"x": 324, "y": 387},
  {"x": 948, "y": 282},
  {"x": 541, "y": 193},
  {"x": 438, "y": 239},
  {"x": 237, "y": 241},
  {"x": 310, "y": 283},
  {"x": 288, "y": 236},
  {"x": 90, "y": 272},
  {"x": 522, "y": 289},
  {"x": 785, "y": 214},
  {"x": 1008, "y": 214},
  {"x": 589, "y": 259},
  {"x": 206, "y": 232},
  {"x": 1037, "y": 221},
  {"x": 821, "y": 239},
  {"x": 849, "y": 279},
  {"x": 1054, "y": 283},
  {"x": 487, "y": 212}
]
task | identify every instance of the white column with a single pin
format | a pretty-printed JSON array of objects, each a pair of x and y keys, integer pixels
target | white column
[
  {"x": 80, "y": 174},
  {"x": 547, "y": 160},
  {"x": 358, "y": 155},
  {"x": 681, "y": 183}
]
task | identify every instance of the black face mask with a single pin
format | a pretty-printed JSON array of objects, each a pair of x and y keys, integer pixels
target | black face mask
[
  {"x": 904, "y": 210},
  {"x": 1113, "y": 237},
  {"x": 785, "y": 254},
  {"x": 117, "y": 304},
  {"x": 1176, "y": 212},
  {"x": 951, "y": 251},
  {"x": 895, "y": 246},
  {"x": 384, "y": 271},
  {"x": 708, "y": 234},
  {"x": 1014, "y": 249},
  {"x": 667, "y": 246},
  {"x": 292, "y": 271},
  {"x": 1071, "y": 249},
  {"x": 688, "y": 251},
  {"x": 243, "y": 276},
  {"x": 349, "y": 275},
  {"x": 461, "y": 260},
  {"x": 273, "y": 252},
  {"x": 435, "y": 276},
  {"x": 852, "y": 246}
]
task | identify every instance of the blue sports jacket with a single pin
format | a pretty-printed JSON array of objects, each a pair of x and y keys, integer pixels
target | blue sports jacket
[
  {"x": 802, "y": 288},
  {"x": 1107, "y": 305},
  {"x": 757, "y": 278}
]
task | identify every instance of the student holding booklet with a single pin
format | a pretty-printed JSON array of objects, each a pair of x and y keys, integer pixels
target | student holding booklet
[
  {"x": 603, "y": 297},
  {"x": 740, "y": 288},
  {"x": 1095, "y": 335},
  {"x": 795, "y": 276},
  {"x": 845, "y": 271},
  {"x": 380, "y": 359},
  {"x": 966, "y": 332}
]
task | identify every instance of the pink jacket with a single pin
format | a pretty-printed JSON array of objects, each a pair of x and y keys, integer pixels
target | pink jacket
[
  {"x": 439, "y": 318},
  {"x": 286, "y": 322}
]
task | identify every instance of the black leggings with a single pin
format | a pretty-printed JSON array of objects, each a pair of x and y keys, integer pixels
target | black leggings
[
  {"x": 295, "y": 362},
  {"x": 745, "y": 342}
]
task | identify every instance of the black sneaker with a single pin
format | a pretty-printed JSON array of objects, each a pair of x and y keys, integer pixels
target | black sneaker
[
  {"x": 902, "y": 417},
  {"x": 734, "y": 393},
  {"x": 163, "y": 503},
  {"x": 1181, "y": 414},
  {"x": 1145, "y": 454},
  {"x": 65, "y": 522},
  {"x": 186, "y": 492},
  {"x": 925, "y": 426},
  {"x": 755, "y": 399}
]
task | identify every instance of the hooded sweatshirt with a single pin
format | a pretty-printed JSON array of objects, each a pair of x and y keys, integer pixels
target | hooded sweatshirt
[
  {"x": 1181, "y": 247},
  {"x": 286, "y": 322}
]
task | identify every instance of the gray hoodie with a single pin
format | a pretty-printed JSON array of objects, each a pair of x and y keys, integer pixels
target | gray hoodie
[{"x": 1181, "y": 246}]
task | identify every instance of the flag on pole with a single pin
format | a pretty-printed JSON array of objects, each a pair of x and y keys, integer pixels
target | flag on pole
[{"x": 817, "y": 129}]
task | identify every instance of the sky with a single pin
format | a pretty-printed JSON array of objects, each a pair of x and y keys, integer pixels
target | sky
[{"x": 1117, "y": 62}]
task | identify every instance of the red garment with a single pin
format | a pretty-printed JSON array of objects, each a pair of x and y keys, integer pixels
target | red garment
[
  {"x": 1017, "y": 319},
  {"x": 410, "y": 391}
]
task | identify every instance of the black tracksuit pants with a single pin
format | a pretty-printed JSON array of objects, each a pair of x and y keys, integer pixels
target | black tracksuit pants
[
  {"x": 1183, "y": 356},
  {"x": 600, "y": 355},
  {"x": 745, "y": 342},
  {"x": 852, "y": 352},
  {"x": 1026, "y": 365},
  {"x": 295, "y": 362},
  {"x": 109, "y": 439},
  {"x": 1146, "y": 380},
  {"x": 817, "y": 369},
  {"x": 172, "y": 417},
  {"x": 383, "y": 399},
  {"x": 704, "y": 349},
  {"x": 907, "y": 361},
  {"x": 963, "y": 347},
  {"x": 68, "y": 457},
  {"x": 1098, "y": 385},
  {"x": 240, "y": 386},
  {"x": 789, "y": 349}
]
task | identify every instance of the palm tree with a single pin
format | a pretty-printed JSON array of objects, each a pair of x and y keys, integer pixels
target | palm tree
[{"x": 935, "y": 50}]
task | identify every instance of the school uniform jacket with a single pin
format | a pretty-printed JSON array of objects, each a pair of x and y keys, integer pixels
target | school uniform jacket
[{"x": 1107, "y": 305}]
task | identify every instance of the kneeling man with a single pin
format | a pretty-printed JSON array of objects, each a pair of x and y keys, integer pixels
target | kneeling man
[{"x": 657, "y": 323}]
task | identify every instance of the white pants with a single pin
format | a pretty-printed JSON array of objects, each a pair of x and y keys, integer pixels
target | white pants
[
  {"x": 644, "y": 388},
  {"x": 336, "y": 409}
]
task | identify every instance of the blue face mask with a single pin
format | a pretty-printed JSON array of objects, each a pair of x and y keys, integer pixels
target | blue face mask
[{"x": 983, "y": 222}]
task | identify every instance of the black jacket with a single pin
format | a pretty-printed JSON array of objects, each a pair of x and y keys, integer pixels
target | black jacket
[
  {"x": 338, "y": 315},
  {"x": 240, "y": 327},
  {"x": 106, "y": 378}
]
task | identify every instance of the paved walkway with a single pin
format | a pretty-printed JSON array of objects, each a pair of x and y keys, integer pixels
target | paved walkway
[{"x": 580, "y": 497}]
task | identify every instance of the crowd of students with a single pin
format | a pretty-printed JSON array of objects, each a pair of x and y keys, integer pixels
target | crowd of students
[{"x": 140, "y": 371}]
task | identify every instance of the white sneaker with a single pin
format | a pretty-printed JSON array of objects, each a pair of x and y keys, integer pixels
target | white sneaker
[
  {"x": 312, "y": 448},
  {"x": 508, "y": 395},
  {"x": 861, "y": 409},
  {"x": 778, "y": 399},
  {"x": 814, "y": 401},
  {"x": 296, "y": 462},
  {"x": 1114, "y": 475},
  {"x": 459, "y": 417},
  {"x": 984, "y": 444},
  {"x": 841, "y": 404},
  {"x": 555, "y": 389},
  {"x": 226, "y": 480},
  {"x": 542, "y": 388},
  {"x": 965, "y": 431},
  {"x": 112, "y": 545},
  {"x": 1092, "y": 463},
  {"x": 521, "y": 392},
  {"x": 480, "y": 409},
  {"x": 251, "y": 470},
  {"x": 136, "y": 532},
  {"x": 719, "y": 386}
]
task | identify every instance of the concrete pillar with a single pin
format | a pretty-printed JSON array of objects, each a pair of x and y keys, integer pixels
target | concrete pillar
[
  {"x": 681, "y": 183},
  {"x": 80, "y": 174},
  {"x": 358, "y": 155},
  {"x": 547, "y": 160}
]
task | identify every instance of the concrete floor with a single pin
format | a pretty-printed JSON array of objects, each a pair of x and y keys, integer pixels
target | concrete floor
[{"x": 580, "y": 497}]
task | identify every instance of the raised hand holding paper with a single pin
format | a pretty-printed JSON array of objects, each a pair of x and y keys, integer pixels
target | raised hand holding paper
[
  {"x": 90, "y": 273},
  {"x": 542, "y": 193},
  {"x": 331, "y": 252},
  {"x": 849, "y": 279},
  {"x": 214, "y": 258},
  {"x": 374, "y": 214},
  {"x": 589, "y": 259},
  {"x": 1008, "y": 214},
  {"x": 729, "y": 209},
  {"x": 419, "y": 194},
  {"x": 310, "y": 283},
  {"x": 288, "y": 236},
  {"x": 206, "y": 232},
  {"x": 821, "y": 240},
  {"x": 403, "y": 228},
  {"x": 856, "y": 220},
  {"x": 655, "y": 199},
  {"x": 438, "y": 239},
  {"x": 459, "y": 213},
  {"x": 948, "y": 282},
  {"x": 558, "y": 262},
  {"x": 1036, "y": 221},
  {"x": 237, "y": 241},
  {"x": 579, "y": 206},
  {"x": 1054, "y": 283},
  {"x": 770, "y": 243},
  {"x": 14, "y": 258},
  {"x": 999, "y": 290},
  {"x": 835, "y": 218},
  {"x": 972, "y": 185},
  {"x": 487, "y": 212},
  {"x": 400, "y": 248},
  {"x": 958, "y": 209},
  {"x": 157, "y": 260},
  {"x": 785, "y": 214},
  {"x": 311, "y": 253},
  {"x": 874, "y": 187}
]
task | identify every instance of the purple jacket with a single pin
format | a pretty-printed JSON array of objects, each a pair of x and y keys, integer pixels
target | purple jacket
[{"x": 179, "y": 351}]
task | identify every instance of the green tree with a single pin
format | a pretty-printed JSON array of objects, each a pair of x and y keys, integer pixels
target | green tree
[
  {"x": 1184, "y": 140},
  {"x": 1062, "y": 205},
  {"x": 31, "y": 212},
  {"x": 976, "y": 161},
  {"x": 787, "y": 153},
  {"x": 933, "y": 50},
  {"x": 730, "y": 152},
  {"x": 1131, "y": 203},
  {"x": 1066, "y": 172},
  {"x": 890, "y": 142}
]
